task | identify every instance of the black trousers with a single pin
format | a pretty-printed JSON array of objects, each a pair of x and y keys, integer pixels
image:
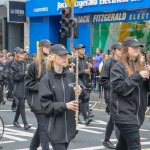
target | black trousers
[
  {"x": 110, "y": 128},
  {"x": 1, "y": 92},
  {"x": 129, "y": 138},
  {"x": 20, "y": 110},
  {"x": 40, "y": 136},
  {"x": 60, "y": 146},
  {"x": 84, "y": 109}
]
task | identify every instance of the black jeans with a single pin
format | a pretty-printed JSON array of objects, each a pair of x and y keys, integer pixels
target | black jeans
[
  {"x": 129, "y": 138},
  {"x": 84, "y": 109},
  {"x": 60, "y": 146},
  {"x": 40, "y": 136},
  {"x": 110, "y": 128},
  {"x": 20, "y": 110}
]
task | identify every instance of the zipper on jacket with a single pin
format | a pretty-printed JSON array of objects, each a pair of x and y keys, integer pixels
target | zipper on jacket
[
  {"x": 32, "y": 100},
  {"x": 49, "y": 125},
  {"x": 138, "y": 106},
  {"x": 117, "y": 103},
  {"x": 65, "y": 111},
  {"x": 83, "y": 69}
]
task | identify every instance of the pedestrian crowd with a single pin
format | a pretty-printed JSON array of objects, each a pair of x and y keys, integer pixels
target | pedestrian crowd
[{"x": 47, "y": 81}]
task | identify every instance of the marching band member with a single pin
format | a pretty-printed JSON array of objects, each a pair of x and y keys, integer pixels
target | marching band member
[
  {"x": 57, "y": 94},
  {"x": 17, "y": 70},
  {"x": 36, "y": 71},
  {"x": 129, "y": 95}
]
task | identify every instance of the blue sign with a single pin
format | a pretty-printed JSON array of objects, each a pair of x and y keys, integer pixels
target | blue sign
[
  {"x": 54, "y": 7},
  {"x": 129, "y": 16}
]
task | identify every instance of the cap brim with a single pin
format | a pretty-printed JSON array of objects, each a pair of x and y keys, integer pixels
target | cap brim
[
  {"x": 136, "y": 45},
  {"x": 63, "y": 53},
  {"x": 119, "y": 47},
  {"x": 80, "y": 47}
]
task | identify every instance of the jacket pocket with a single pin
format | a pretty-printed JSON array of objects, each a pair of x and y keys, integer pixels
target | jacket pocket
[{"x": 35, "y": 102}]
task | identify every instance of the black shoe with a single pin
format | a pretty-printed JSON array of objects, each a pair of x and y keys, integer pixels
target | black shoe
[
  {"x": 26, "y": 126},
  {"x": 13, "y": 109},
  {"x": 16, "y": 124},
  {"x": 87, "y": 121},
  {"x": 1, "y": 147},
  {"x": 3, "y": 102},
  {"x": 108, "y": 145},
  {"x": 90, "y": 114},
  {"x": 79, "y": 121}
]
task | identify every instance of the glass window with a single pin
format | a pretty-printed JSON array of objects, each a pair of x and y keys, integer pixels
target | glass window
[{"x": 104, "y": 35}]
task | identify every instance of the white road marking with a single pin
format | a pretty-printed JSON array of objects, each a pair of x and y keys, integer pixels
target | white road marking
[{"x": 6, "y": 142}]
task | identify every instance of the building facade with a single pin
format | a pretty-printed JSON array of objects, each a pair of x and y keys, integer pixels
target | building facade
[
  {"x": 100, "y": 22},
  {"x": 13, "y": 30}
]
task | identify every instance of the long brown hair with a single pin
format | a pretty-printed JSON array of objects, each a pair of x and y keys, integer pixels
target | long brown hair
[
  {"x": 125, "y": 60},
  {"x": 39, "y": 61}
]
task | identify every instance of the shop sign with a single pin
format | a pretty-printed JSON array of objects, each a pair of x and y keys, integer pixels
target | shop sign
[
  {"x": 16, "y": 11},
  {"x": 116, "y": 17},
  {"x": 79, "y": 4},
  {"x": 85, "y": 3}
]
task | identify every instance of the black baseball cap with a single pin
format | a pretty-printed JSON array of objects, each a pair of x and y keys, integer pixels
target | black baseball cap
[
  {"x": 45, "y": 42},
  {"x": 20, "y": 51},
  {"x": 79, "y": 46},
  {"x": 116, "y": 46},
  {"x": 130, "y": 41},
  {"x": 10, "y": 54},
  {"x": 16, "y": 48},
  {"x": 59, "y": 49}
]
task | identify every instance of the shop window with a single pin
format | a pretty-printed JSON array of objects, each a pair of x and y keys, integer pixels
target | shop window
[{"x": 104, "y": 35}]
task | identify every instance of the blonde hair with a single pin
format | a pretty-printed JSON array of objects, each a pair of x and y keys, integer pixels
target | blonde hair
[
  {"x": 125, "y": 60},
  {"x": 50, "y": 59},
  {"x": 39, "y": 61}
]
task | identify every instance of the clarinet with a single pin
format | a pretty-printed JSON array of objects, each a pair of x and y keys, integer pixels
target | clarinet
[{"x": 76, "y": 95}]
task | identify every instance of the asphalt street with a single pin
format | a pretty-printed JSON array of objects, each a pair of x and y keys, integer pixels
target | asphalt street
[{"x": 89, "y": 138}]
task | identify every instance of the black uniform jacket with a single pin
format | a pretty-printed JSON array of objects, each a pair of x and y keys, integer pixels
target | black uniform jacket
[
  {"x": 105, "y": 78},
  {"x": 55, "y": 91},
  {"x": 129, "y": 96},
  {"x": 17, "y": 71},
  {"x": 32, "y": 86},
  {"x": 2, "y": 72}
]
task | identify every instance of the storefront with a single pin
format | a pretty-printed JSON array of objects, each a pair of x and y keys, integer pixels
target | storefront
[{"x": 101, "y": 22}]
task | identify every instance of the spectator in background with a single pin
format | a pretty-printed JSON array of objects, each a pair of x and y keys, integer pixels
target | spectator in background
[
  {"x": 97, "y": 60},
  {"x": 105, "y": 56},
  {"x": 33, "y": 57}
]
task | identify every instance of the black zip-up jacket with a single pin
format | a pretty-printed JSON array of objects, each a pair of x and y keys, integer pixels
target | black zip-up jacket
[
  {"x": 55, "y": 91},
  {"x": 3, "y": 76},
  {"x": 129, "y": 96},
  {"x": 17, "y": 71},
  {"x": 83, "y": 64},
  {"x": 32, "y": 87},
  {"x": 105, "y": 78}
]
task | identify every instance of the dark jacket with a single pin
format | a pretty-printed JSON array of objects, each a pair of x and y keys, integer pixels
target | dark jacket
[
  {"x": 32, "y": 86},
  {"x": 17, "y": 70},
  {"x": 129, "y": 96},
  {"x": 85, "y": 78},
  {"x": 55, "y": 91},
  {"x": 2, "y": 72},
  {"x": 105, "y": 78}
]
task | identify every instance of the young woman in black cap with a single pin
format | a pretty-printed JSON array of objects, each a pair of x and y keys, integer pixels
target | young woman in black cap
[
  {"x": 17, "y": 70},
  {"x": 36, "y": 71},
  {"x": 129, "y": 80},
  {"x": 104, "y": 81},
  {"x": 57, "y": 94}
]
